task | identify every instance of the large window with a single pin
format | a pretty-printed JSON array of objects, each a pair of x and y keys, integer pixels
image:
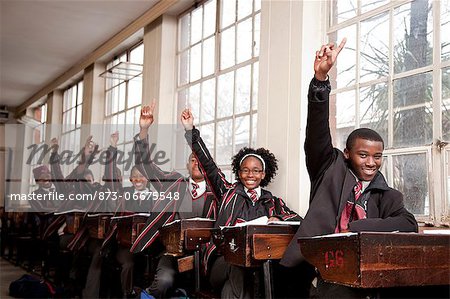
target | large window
[
  {"x": 218, "y": 54},
  {"x": 71, "y": 121},
  {"x": 124, "y": 98},
  {"x": 388, "y": 78}
]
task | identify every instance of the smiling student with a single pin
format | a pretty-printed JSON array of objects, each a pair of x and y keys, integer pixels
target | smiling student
[
  {"x": 348, "y": 192},
  {"x": 242, "y": 201}
]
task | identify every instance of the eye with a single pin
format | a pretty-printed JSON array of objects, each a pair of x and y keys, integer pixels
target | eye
[{"x": 363, "y": 155}]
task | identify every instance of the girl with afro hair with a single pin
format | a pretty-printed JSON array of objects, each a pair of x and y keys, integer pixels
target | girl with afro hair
[{"x": 241, "y": 201}]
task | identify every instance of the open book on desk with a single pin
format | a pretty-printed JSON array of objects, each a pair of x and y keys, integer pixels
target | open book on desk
[
  {"x": 264, "y": 220},
  {"x": 190, "y": 219},
  {"x": 71, "y": 211}
]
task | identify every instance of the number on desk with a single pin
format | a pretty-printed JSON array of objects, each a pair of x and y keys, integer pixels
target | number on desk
[{"x": 334, "y": 259}]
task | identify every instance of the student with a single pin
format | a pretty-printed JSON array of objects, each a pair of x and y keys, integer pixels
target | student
[
  {"x": 242, "y": 201},
  {"x": 348, "y": 192},
  {"x": 197, "y": 198}
]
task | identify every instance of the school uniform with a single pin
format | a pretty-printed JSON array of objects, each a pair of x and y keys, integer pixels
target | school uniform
[
  {"x": 165, "y": 209},
  {"x": 236, "y": 205}
]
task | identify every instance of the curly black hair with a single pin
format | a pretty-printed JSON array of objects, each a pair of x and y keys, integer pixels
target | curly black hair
[{"x": 269, "y": 159}]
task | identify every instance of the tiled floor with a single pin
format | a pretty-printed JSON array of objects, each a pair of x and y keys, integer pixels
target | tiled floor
[{"x": 8, "y": 273}]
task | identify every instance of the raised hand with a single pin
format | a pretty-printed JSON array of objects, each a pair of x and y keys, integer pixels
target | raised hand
[
  {"x": 326, "y": 58},
  {"x": 114, "y": 138},
  {"x": 146, "y": 119},
  {"x": 187, "y": 119},
  {"x": 54, "y": 145},
  {"x": 90, "y": 147}
]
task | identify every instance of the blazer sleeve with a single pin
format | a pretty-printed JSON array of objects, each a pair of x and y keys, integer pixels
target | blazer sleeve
[
  {"x": 283, "y": 212},
  {"x": 318, "y": 145},
  {"x": 160, "y": 179},
  {"x": 393, "y": 216},
  {"x": 214, "y": 176}
]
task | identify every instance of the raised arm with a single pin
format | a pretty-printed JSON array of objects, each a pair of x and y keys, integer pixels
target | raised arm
[
  {"x": 214, "y": 176},
  {"x": 318, "y": 145},
  {"x": 112, "y": 177},
  {"x": 160, "y": 179}
]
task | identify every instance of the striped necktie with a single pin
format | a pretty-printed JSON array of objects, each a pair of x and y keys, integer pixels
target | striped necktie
[
  {"x": 195, "y": 186},
  {"x": 253, "y": 195},
  {"x": 352, "y": 210}
]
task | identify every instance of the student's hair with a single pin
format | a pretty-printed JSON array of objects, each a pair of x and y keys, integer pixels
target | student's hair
[
  {"x": 135, "y": 167},
  {"x": 271, "y": 165},
  {"x": 362, "y": 133}
]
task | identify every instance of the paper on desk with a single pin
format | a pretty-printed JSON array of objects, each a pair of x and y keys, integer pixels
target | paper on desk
[
  {"x": 279, "y": 222},
  {"x": 194, "y": 218},
  {"x": 70, "y": 211},
  {"x": 99, "y": 214},
  {"x": 132, "y": 215},
  {"x": 336, "y": 235},
  {"x": 437, "y": 231}
]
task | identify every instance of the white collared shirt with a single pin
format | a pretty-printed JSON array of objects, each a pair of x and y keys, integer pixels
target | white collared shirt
[
  {"x": 201, "y": 187},
  {"x": 258, "y": 191}
]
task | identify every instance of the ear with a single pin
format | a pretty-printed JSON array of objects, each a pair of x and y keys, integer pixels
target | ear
[
  {"x": 346, "y": 154},
  {"x": 263, "y": 175}
]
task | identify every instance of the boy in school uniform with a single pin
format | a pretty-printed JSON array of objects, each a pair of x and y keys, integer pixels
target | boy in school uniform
[
  {"x": 242, "y": 201},
  {"x": 348, "y": 192}
]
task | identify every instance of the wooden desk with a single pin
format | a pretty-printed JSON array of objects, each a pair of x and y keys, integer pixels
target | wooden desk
[
  {"x": 97, "y": 225},
  {"x": 255, "y": 246},
  {"x": 186, "y": 235},
  {"x": 73, "y": 221},
  {"x": 129, "y": 228},
  {"x": 252, "y": 245},
  {"x": 379, "y": 260}
]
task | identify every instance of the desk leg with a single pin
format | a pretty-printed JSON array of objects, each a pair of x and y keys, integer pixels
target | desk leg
[
  {"x": 197, "y": 270},
  {"x": 267, "y": 266}
]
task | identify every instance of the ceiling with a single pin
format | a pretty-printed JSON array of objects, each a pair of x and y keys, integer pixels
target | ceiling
[{"x": 40, "y": 40}]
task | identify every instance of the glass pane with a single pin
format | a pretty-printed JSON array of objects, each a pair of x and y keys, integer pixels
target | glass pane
[
  {"x": 243, "y": 85},
  {"x": 194, "y": 100},
  {"x": 413, "y": 35},
  {"x": 134, "y": 92},
  {"x": 207, "y": 133},
  {"x": 196, "y": 62},
  {"x": 257, "y": 5},
  {"x": 184, "y": 29},
  {"x": 65, "y": 101},
  {"x": 114, "y": 100},
  {"x": 225, "y": 95},
  {"x": 122, "y": 90},
  {"x": 445, "y": 29},
  {"x": 367, "y": 5},
  {"x": 210, "y": 18},
  {"x": 80, "y": 93},
  {"x": 344, "y": 10},
  {"x": 224, "y": 139},
  {"x": 413, "y": 90},
  {"x": 413, "y": 127},
  {"x": 196, "y": 25},
  {"x": 255, "y": 86},
  {"x": 446, "y": 104},
  {"x": 244, "y": 8},
  {"x": 374, "y": 109},
  {"x": 208, "y": 56},
  {"x": 184, "y": 68},
  {"x": 244, "y": 41},
  {"x": 79, "y": 112},
  {"x": 73, "y": 96},
  {"x": 228, "y": 12},
  {"x": 256, "y": 35},
  {"x": 129, "y": 128},
  {"x": 208, "y": 100},
  {"x": 374, "y": 47},
  {"x": 342, "y": 117},
  {"x": 411, "y": 178},
  {"x": 121, "y": 126},
  {"x": 254, "y": 130},
  {"x": 137, "y": 54},
  {"x": 227, "y": 48},
  {"x": 344, "y": 73},
  {"x": 108, "y": 106},
  {"x": 242, "y": 132}
]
